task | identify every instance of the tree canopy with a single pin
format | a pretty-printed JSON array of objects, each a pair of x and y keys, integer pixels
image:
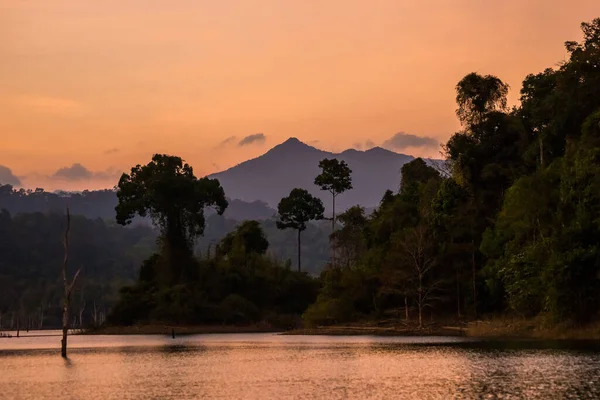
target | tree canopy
[
  {"x": 167, "y": 190},
  {"x": 296, "y": 210}
]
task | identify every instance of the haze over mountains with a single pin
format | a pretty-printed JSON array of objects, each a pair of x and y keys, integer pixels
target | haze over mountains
[
  {"x": 254, "y": 187},
  {"x": 294, "y": 164}
]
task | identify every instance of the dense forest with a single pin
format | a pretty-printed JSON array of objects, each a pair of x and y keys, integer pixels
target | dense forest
[
  {"x": 31, "y": 251},
  {"x": 110, "y": 255},
  {"x": 512, "y": 226}
]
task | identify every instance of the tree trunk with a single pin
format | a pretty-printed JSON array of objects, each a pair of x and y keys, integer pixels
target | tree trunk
[
  {"x": 95, "y": 314},
  {"x": 332, "y": 231},
  {"x": 18, "y": 327},
  {"x": 458, "y": 291},
  {"x": 406, "y": 308},
  {"x": 299, "y": 252},
  {"x": 420, "y": 305},
  {"x": 65, "y": 329},
  {"x": 68, "y": 289},
  {"x": 474, "y": 271},
  {"x": 81, "y": 311},
  {"x": 541, "y": 151}
]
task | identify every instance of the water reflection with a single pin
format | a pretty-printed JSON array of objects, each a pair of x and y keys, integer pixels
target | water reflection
[{"x": 269, "y": 366}]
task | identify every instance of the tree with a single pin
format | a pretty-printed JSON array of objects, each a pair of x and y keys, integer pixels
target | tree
[
  {"x": 68, "y": 287},
  {"x": 296, "y": 210},
  {"x": 349, "y": 240},
  {"x": 416, "y": 253},
  {"x": 248, "y": 238},
  {"x": 335, "y": 177},
  {"x": 477, "y": 95},
  {"x": 414, "y": 174},
  {"x": 167, "y": 190}
]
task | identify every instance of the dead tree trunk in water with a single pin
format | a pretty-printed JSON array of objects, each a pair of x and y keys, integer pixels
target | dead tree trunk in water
[{"x": 68, "y": 289}]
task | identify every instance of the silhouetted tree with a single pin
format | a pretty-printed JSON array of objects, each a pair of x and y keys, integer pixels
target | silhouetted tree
[
  {"x": 247, "y": 238},
  {"x": 167, "y": 190},
  {"x": 335, "y": 177},
  {"x": 296, "y": 210},
  {"x": 477, "y": 95}
]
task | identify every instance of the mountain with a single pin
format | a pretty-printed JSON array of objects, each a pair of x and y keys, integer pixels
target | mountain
[{"x": 294, "y": 164}]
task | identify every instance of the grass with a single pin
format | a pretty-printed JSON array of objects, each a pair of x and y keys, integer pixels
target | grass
[{"x": 534, "y": 328}]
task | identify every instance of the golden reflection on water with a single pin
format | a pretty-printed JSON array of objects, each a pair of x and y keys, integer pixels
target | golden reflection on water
[{"x": 265, "y": 366}]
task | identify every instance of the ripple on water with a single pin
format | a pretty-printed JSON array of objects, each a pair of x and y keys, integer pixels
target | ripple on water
[{"x": 261, "y": 366}]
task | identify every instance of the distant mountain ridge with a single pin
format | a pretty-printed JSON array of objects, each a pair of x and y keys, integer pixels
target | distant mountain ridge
[{"x": 293, "y": 163}]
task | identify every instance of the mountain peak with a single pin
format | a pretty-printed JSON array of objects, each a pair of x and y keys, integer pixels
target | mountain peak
[
  {"x": 378, "y": 149},
  {"x": 293, "y": 141},
  {"x": 292, "y": 144}
]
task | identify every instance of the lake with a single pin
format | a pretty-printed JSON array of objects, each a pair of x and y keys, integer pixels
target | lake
[{"x": 271, "y": 366}]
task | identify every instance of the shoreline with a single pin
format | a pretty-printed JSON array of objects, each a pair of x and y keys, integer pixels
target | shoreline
[
  {"x": 503, "y": 328},
  {"x": 179, "y": 330}
]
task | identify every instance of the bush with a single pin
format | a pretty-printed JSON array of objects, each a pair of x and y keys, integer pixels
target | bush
[
  {"x": 327, "y": 312},
  {"x": 238, "y": 310}
]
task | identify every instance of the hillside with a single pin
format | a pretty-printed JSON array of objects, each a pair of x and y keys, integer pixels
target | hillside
[
  {"x": 101, "y": 204},
  {"x": 295, "y": 164}
]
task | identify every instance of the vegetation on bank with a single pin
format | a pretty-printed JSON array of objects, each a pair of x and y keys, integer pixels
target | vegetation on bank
[{"x": 510, "y": 227}]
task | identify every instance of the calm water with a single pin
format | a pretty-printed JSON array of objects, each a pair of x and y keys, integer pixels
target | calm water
[{"x": 268, "y": 366}]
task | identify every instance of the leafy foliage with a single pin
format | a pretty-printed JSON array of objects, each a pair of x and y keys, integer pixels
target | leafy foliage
[
  {"x": 516, "y": 226},
  {"x": 238, "y": 285},
  {"x": 31, "y": 253},
  {"x": 336, "y": 178},
  {"x": 167, "y": 190},
  {"x": 296, "y": 210}
]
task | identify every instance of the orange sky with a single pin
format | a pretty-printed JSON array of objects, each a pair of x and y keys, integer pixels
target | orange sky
[{"x": 108, "y": 83}]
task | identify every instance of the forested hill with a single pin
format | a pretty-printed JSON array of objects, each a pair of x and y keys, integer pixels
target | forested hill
[
  {"x": 295, "y": 164},
  {"x": 31, "y": 249},
  {"x": 101, "y": 204},
  {"x": 110, "y": 257}
]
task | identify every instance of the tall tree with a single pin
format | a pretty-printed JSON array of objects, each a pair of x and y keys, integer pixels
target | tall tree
[
  {"x": 296, "y": 210},
  {"x": 167, "y": 190},
  {"x": 477, "y": 95},
  {"x": 336, "y": 178}
]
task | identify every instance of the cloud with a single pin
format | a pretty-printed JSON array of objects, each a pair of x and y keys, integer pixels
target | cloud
[
  {"x": 75, "y": 172},
  {"x": 7, "y": 177},
  {"x": 369, "y": 144},
  {"x": 403, "y": 140},
  {"x": 257, "y": 138},
  {"x": 226, "y": 142},
  {"x": 111, "y": 151},
  {"x": 78, "y": 172}
]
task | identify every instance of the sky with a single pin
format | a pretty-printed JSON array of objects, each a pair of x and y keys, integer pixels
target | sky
[{"x": 90, "y": 88}]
